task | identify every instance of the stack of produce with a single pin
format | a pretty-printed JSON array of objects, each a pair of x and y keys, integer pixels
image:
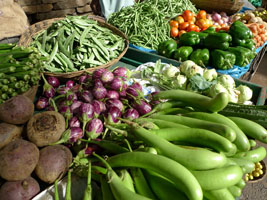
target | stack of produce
[
  {"x": 207, "y": 152},
  {"x": 19, "y": 70},
  {"x": 257, "y": 26},
  {"x": 146, "y": 23},
  {"x": 188, "y": 21},
  {"x": 90, "y": 101},
  {"x": 77, "y": 43},
  {"x": 220, "y": 50},
  {"x": 189, "y": 76}
]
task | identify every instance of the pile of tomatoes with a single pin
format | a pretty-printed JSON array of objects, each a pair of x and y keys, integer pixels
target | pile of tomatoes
[{"x": 188, "y": 21}]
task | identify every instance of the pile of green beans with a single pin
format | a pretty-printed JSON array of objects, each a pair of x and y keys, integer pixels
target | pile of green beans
[
  {"x": 76, "y": 43},
  {"x": 19, "y": 70},
  {"x": 146, "y": 24}
]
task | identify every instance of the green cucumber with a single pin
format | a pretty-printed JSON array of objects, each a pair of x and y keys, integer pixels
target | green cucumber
[
  {"x": 216, "y": 179},
  {"x": 251, "y": 128},
  {"x": 161, "y": 123},
  {"x": 241, "y": 184}
]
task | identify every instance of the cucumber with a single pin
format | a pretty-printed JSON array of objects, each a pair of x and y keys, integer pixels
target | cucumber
[
  {"x": 235, "y": 191},
  {"x": 218, "y": 128},
  {"x": 252, "y": 143},
  {"x": 255, "y": 155},
  {"x": 216, "y": 179},
  {"x": 241, "y": 140},
  {"x": 196, "y": 136},
  {"x": 251, "y": 128},
  {"x": 222, "y": 194}
]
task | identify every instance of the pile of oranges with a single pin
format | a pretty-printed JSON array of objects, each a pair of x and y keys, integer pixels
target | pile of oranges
[{"x": 188, "y": 21}]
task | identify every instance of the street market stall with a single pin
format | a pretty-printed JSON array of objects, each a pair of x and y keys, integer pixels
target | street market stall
[{"x": 148, "y": 104}]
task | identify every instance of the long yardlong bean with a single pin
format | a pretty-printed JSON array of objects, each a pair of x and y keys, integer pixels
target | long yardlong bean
[{"x": 76, "y": 43}]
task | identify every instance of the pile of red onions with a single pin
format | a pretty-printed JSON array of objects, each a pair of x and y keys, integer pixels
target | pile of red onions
[
  {"x": 88, "y": 102},
  {"x": 220, "y": 18}
]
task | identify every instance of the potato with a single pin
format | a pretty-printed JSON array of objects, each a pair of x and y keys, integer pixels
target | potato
[
  {"x": 53, "y": 163},
  {"x": 8, "y": 132},
  {"x": 45, "y": 128},
  {"x": 17, "y": 110},
  {"x": 19, "y": 190},
  {"x": 18, "y": 160}
]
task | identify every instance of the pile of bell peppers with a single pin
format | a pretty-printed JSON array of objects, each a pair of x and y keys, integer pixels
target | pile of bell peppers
[{"x": 220, "y": 49}]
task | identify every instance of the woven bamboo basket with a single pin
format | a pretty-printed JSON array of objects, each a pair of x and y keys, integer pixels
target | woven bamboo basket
[
  {"x": 228, "y": 6},
  {"x": 27, "y": 36},
  {"x": 261, "y": 177}
]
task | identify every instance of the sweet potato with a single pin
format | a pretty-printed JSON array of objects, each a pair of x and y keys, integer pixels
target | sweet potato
[
  {"x": 53, "y": 163},
  {"x": 45, "y": 128},
  {"x": 18, "y": 160},
  {"x": 17, "y": 110},
  {"x": 8, "y": 132},
  {"x": 19, "y": 190}
]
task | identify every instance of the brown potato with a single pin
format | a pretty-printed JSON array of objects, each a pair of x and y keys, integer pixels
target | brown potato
[
  {"x": 19, "y": 190},
  {"x": 17, "y": 110},
  {"x": 45, "y": 128},
  {"x": 53, "y": 163},
  {"x": 18, "y": 160},
  {"x": 8, "y": 132}
]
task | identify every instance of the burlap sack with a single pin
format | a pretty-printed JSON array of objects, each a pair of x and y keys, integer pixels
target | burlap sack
[{"x": 13, "y": 20}]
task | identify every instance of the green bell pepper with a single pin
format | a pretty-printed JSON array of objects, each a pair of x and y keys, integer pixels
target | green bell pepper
[
  {"x": 167, "y": 48},
  {"x": 248, "y": 43},
  {"x": 252, "y": 53},
  {"x": 200, "y": 57},
  {"x": 189, "y": 39},
  {"x": 211, "y": 29},
  {"x": 239, "y": 30},
  {"x": 243, "y": 57},
  {"x": 181, "y": 54},
  {"x": 222, "y": 59},
  {"x": 217, "y": 41}
]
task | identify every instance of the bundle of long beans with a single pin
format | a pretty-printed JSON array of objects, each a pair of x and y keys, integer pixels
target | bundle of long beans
[
  {"x": 146, "y": 23},
  {"x": 19, "y": 70}
]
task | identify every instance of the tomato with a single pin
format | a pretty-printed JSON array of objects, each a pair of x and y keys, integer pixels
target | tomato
[
  {"x": 174, "y": 23},
  {"x": 202, "y": 14},
  {"x": 194, "y": 19},
  {"x": 174, "y": 32},
  {"x": 181, "y": 32},
  {"x": 191, "y": 27},
  {"x": 191, "y": 22},
  {"x": 197, "y": 29},
  {"x": 179, "y": 19},
  {"x": 202, "y": 23},
  {"x": 188, "y": 15},
  {"x": 184, "y": 26}
]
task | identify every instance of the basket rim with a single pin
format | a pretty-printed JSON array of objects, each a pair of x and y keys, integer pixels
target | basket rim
[{"x": 30, "y": 33}]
